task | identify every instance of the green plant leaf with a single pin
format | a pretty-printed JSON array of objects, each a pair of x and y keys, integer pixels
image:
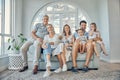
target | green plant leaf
[
  {"x": 9, "y": 47},
  {"x": 9, "y": 40},
  {"x": 21, "y": 34},
  {"x": 17, "y": 48},
  {"x": 13, "y": 40},
  {"x": 25, "y": 39},
  {"x": 18, "y": 35},
  {"x": 16, "y": 43}
]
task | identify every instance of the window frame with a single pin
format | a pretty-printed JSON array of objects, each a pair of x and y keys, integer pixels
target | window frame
[
  {"x": 41, "y": 11},
  {"x": 3, "y": 34}
]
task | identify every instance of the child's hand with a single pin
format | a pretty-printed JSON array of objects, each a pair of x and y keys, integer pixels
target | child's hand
[
  {"x": 91, "y": 33},
  {"x": 60, "y": 37},
  {"x": 51, "y": 43}
]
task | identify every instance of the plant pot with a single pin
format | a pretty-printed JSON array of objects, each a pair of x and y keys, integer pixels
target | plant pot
[{"x": 15, "y": 62}]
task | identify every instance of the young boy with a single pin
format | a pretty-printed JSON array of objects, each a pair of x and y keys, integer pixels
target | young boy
[{"x": 82, "y": 38}]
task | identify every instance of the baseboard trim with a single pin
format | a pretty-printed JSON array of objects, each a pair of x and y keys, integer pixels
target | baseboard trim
[
  {"x": 114, "y": 61},
  {"x": 105, "y": 59},
  {"x": 110, "y": 61},
  {"x": 2, "y": 68},
  {"x": 68, "y": 69}
]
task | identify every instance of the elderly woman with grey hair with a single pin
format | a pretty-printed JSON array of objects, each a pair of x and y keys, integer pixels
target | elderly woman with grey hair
[{"x": 51, "y": 46}]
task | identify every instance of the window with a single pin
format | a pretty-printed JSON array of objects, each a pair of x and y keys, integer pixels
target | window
[
  {"x": 60, "y": 14},
  {"x": 5, "y": 28}
]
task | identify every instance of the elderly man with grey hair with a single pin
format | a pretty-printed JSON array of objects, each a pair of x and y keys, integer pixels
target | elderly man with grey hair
[{"x": 38, "y": 32}]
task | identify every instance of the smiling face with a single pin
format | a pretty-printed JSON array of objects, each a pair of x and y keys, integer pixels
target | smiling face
[
  {"x": 50, "y": 28},
  {"x": 45, "y": 20},
  {"x": 80, "y": 32},
  {"x": 67, "y": 29},
  {"x": 92, "y": 27},
  {"x": 83, "y": 26}
]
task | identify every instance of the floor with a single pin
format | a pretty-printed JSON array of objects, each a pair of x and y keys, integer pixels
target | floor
[{"x": 106, "y": 71}]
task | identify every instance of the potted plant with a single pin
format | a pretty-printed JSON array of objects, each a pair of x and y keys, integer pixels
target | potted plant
[
  {"x": 16, "y": 43},
  {"x": 15, "y": 59}
]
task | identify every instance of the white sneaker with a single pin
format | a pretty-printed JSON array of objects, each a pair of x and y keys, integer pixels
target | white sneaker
[
  {"x": 47, "y": 73},
  {"x": 64, "y": 68},
  {"x": 48, "y": 64},
  {"x": 58, "y": 70}
]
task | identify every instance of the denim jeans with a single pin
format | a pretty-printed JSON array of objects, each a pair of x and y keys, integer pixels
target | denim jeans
[{"x": 48, "y": 50}]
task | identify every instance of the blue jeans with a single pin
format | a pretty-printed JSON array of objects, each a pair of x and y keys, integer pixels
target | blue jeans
[{"x": 48, "y": 50}]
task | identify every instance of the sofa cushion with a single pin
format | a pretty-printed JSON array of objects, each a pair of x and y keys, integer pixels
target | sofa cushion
[
  {"x": 94, "y": 63},
  {"x": 53, "y": 58}
]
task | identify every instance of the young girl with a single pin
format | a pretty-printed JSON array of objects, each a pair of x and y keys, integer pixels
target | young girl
[
  {"x": 95, "y": 36},
  {"x": 82, "y": 40}
]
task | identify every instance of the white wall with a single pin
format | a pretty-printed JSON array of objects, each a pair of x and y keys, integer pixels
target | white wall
[
  {"x": 103, "y": 25},
  {"x": 114, "y": 29},
  {"x": 3, "y": 63},
  {"x": 18, "y": 17},
  {"x": 104, "y": 12},
  {"x": 30, "y": 7}
]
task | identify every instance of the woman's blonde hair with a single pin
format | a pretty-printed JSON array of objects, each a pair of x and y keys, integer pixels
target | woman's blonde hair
[{"x": 50, "y": 25}]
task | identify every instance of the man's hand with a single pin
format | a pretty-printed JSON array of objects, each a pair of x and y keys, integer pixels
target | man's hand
[
  {"x": 39, "y": 39},
  {"x": 51, "y": 43}
]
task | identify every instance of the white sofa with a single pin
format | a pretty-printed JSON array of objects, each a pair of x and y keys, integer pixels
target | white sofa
[{"x": 94, "y": 63}]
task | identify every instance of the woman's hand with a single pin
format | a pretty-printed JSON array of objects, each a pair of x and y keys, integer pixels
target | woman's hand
[
  {"x": 44, "y": 46},
  {"x": 40, "y": 39}
]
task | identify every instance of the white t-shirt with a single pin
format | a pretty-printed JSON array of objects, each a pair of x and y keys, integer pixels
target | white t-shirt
[
  {"x": 82, "y": 38},
  {"x": 92, "y": 36},
  {"x": 55, "y": 39}
]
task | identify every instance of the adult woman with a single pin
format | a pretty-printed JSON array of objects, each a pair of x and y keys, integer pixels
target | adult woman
[
  {"x": 67, "y": 42},
  {"x": 51, "y": 46}
]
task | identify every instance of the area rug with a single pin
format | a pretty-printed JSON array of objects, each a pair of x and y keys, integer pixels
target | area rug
[{"x": 106, "y": 71}]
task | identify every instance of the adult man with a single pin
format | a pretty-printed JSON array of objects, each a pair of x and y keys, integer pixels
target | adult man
[
  {"x": 38, "y": 33},
  {"x": 76, "y": 48}
]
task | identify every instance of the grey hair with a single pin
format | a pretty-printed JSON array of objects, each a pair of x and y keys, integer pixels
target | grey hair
[{"x": 46, "y": 16}]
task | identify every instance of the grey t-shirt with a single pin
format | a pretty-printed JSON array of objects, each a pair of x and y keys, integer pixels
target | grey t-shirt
[{"x": 41, "y": 30}]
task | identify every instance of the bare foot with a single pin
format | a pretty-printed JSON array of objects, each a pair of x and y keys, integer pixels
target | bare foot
[
  {"x": 105, "y": 53},
  {"x": 98, "y": 55}
]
